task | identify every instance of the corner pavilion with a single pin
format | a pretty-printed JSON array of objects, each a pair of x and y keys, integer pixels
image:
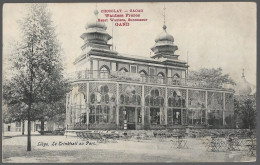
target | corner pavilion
[{"x": 115, "y": 91}]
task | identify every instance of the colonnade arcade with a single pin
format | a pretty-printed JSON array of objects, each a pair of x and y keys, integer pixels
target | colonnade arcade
[{"x": 106, "y": 105}]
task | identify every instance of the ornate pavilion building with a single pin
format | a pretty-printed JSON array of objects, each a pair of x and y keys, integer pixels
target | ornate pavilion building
[{"x": 115, "y": 91}]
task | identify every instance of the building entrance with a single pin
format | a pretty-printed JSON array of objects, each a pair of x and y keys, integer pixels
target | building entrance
[
  {"x": 155, "y": 115},
  {"x": 130, "y": 118},
  {"x": 176, "y": 117}
]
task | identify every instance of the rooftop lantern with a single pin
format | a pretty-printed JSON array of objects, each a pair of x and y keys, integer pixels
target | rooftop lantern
[
  {"x": 96, "y": 34},
  {"x": 164, "y": 46}
]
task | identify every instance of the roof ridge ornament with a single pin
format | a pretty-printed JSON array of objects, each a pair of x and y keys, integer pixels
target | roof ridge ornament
[
  {"x": 243, "y": 73},
  {"x": 96, "y": 11},
  {"x": 164, "y": 25}
]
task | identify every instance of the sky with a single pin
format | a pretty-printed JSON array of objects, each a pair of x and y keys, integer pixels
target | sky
[{"x": 213, "y": 34}]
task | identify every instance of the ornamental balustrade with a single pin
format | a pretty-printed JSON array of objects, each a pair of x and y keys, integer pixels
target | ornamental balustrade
[{"x": 141, "y": 78}]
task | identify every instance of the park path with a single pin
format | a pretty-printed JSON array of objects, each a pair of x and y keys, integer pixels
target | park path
[{"x": 70, "y": 149}]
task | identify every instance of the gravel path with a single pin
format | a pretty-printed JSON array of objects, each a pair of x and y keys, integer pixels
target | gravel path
[{"x": 46, "y": 149}]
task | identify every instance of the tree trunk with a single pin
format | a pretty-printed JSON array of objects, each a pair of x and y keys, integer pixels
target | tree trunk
[
  {"x": 23, "y": 127},
  {"x": 42, "y": 127},
  {"x": 29, "y": 130}
]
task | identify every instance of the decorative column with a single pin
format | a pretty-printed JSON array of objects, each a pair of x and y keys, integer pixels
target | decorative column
[
  {"x": 135, "y": 118},
  {"x": 206, "y": 106},
  {"x": 224, "y": 108},
  {"x": 87, "y": 105},
  {"x": 166, "y": 106},
  {"x": 143, "y": 106},
  {"x": 95, "y": 69},
  {"x": 187, "y": 104},
  {"x": 67, "y": 111},
  {"x": 117, "y": 105},
  {"x": 70, "y": 109}
]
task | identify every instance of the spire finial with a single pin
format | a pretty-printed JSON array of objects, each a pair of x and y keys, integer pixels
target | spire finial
[
  {"x": 96, "y": 11},
  {"x": 243, "y": 73},
  {"x": 164, "y": 26}
]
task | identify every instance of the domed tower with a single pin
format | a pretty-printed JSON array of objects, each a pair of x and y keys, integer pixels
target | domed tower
[
  {"x": 96, "y": 35},
  {"x": 243, "y": 87},
  {"x": 164, "y": 46}
]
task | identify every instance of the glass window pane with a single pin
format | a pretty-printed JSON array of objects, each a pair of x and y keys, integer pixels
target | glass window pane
[
  {"x": 139, "y": 115},
  {"x": 92, "y": 98},
  {"x": 133, "y": 69},
  {"x": 203, "y": 116},
  {"x": 162, "y": 101},
  {"x": 176, "y": 116},
  {"x": 189, "y": 117},
  {"x": 155, "y": 115},
  {"x": 134, "y": 99},
  {"x": 107, "y": 98},
  {"x": 122, "y": 99},
  {"x": 152, "y": 71},
  {"x": 196, "y": 117},
  {"x": 183, "y": 103},
  {"x": 139, "y": 100},
  {"x": 91, "y": 119},
  {"x": 147, "y": 100},
  {"x": 157, "y": 101},
  {"x": 170, "y": 116},
  {"x": 151, "y": 101},
  {"x": 170, "y": 102},
  {"x": 127, "y": 100}
]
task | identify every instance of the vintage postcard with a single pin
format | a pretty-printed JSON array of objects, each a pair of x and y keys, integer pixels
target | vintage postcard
[{"x": 129, "y": 82}]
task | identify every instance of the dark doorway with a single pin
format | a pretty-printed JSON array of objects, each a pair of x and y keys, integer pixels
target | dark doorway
[
  {"x": 9, "y": 128},
  {"x": 155, "y": 115},
  {"x": 130, "y": 118},
  {"x": 176, "y": 116}
]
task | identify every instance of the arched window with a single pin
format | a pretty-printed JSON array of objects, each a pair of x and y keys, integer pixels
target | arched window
[
  {"x": 155, "y": 101},
  {"x": 104, "y": 72},
  {"x": 160, "y": 78},
  {"x": 123, "y": 70},
  {"x": 101, "y": 104},
  {"x": 176, "y": 79},
  {"x": 143, "y": 76}
]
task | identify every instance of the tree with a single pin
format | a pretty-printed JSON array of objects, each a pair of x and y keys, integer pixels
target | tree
[
  {"x": 37, "y": 80},
  {"x": 245, "y": 108},
  {"x": 211, "y": 77}
]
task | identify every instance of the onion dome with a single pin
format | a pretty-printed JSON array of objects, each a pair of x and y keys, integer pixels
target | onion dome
[
  {"x": 95, "y": 24},
  {"x": 96, "y": 34},
  {"x": 244, "y": 87},
  {"x": 164, "y": 46},
  {"x": 164, "y": 36}
]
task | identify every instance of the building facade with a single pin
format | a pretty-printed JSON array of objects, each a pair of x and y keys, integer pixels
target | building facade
[
  {"x": 116, "y": 91},
  {"x": 35, "y": 126}
]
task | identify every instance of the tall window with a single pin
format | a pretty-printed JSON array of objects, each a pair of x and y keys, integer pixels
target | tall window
[
  {"x": 176, "y": 116},
  {"x": 176, "y": 79},
  {"x": 160, "y": 77},
  {"x": 155, "y": 115},
  {"x": 175, "y": 103},
  {"x": 143, "y": 76},
  {"x": 152, "y": 71},
  {"x": 155, "y": 101},
  {"x": 104, "y": 73},
  {"x": 151, "y": 75},
  {"x": 18, "y": 124},
  {"x": 102, "y": 109},
  {"x": 133, "y": 68}
]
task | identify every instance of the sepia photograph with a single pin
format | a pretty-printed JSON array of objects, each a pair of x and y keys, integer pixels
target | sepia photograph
[{"x": 129, "y": 82}]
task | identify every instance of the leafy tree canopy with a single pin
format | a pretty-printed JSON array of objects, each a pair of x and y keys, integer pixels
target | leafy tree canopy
[
  {"x": 37, "y": 83},
  {"x": 211, "y": 77}
]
